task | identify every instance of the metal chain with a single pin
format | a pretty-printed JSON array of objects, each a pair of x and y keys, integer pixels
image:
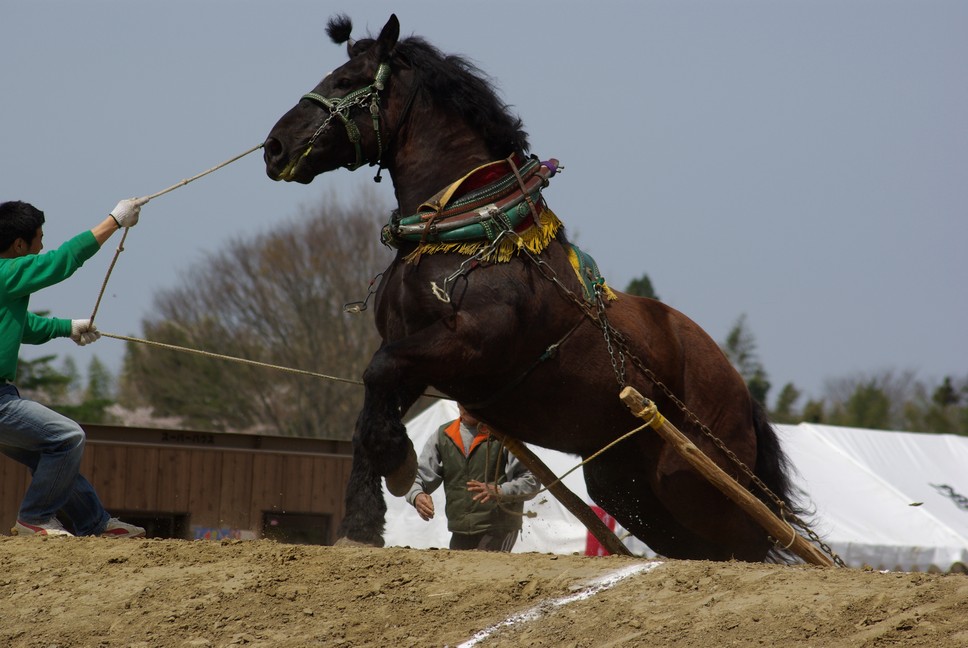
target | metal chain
[
  {"x": 606, "y": 327},
  {"x": 610, "y": 334},
  {"x": 322, "y": 127},
  {"x": 443, "y": 292},
  {"x": 357, "y": 307},
  {"x": 339, "y": 108},
  {"x": 787, "y": 515}
]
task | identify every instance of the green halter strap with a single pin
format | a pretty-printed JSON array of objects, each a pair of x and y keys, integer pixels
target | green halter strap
[{"x": 341, "y": 107}]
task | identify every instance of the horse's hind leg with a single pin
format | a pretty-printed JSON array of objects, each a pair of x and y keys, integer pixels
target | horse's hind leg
[
  {"x": 703, "y": 508},
  {"x": 689, "y": 519},
  {"x": 620, "y": 486}
]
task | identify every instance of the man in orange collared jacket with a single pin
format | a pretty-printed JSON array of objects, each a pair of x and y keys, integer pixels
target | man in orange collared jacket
[{"x": 481, "y": 514}]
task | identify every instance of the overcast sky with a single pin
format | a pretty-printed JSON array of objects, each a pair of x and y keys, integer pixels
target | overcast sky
[{"x": 802, "y": 163}]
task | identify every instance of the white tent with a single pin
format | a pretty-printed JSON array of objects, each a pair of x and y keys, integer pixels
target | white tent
[{"x": 891, "y": 500}]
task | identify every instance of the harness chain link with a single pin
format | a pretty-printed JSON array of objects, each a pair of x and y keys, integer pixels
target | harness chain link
[
  {"x": 610, "y": 333},
  {"x": 443, "y": 292},
  {"x": 357, "y": 307},
  {"x": 606, "y": 327},
  {"x": 785, "y": 514}
]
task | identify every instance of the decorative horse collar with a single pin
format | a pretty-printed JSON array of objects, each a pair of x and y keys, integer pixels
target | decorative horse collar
[{"x": 474, "y": 210}]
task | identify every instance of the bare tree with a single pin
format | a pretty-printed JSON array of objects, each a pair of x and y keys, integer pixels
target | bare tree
[{"x": 276, "y": 298}]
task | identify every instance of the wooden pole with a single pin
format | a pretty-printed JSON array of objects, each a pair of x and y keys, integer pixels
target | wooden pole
[
  {"x": 777, "y": 528},
  {"x": 568, "y": 499}
]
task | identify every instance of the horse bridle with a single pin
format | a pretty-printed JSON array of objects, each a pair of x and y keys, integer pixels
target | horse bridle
[{"x": 341, "y": 107}]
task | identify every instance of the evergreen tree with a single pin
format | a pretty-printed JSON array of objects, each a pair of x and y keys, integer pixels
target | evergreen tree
[
  {"x": 868, "y": 407},
  {"x": 96, "y": 397},
  {"x": 72, "y": 391},
  {"x": 943, "y": 412},
  {"x": 893, "y": 401},
  {"x": 740, "y": 348},
  {"x": 813, "y": 412},
  {"x": 39, "y": 379},
  {"x": 784, "y": 411},
  {"x": 946, "y": 395},
  {"x": 642, "y": 287},
  {"x": 100, "y": 382}
]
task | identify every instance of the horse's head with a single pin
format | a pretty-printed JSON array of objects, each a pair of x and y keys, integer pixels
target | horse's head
[
  {"x": 426, "y": 117},
  {"x": 338, "y": 124}
]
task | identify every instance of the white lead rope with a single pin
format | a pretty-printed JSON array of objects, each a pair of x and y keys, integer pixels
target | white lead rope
[
  {"x": 145, "y": 199},
  {"x": 202, "y": 174},
  {"x": 255, "y": 363},
  {"x": 209, "y": 354}
]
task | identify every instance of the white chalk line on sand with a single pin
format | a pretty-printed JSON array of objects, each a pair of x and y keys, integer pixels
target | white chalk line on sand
[{"x": 592, "y": 588}]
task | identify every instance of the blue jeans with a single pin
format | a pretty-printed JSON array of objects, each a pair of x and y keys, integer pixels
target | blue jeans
[{"x": 51, "y": 446}]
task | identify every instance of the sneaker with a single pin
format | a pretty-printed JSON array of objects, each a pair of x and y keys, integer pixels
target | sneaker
[
  {"x": 51, "y": 527},
  {"x": 118, "y": 529}
]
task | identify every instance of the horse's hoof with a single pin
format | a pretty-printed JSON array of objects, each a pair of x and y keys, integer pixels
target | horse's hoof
[{"x": 401, "y": 479}]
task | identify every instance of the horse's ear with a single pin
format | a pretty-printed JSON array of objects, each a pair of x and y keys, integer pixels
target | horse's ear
[{"x": 388, "y": 36}]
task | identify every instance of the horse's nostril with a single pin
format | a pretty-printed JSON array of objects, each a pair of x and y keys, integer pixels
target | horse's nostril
[{"x": 273, "y": 148}]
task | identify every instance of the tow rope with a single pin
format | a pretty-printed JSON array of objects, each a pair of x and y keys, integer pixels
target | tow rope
[{"x": 145, "y": 200}]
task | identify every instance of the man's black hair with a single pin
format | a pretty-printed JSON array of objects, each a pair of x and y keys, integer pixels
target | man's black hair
[{"x": 18, "y": 220}]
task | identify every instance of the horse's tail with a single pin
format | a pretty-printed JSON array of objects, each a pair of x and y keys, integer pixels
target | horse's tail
[{"x": 773, "y": 468}]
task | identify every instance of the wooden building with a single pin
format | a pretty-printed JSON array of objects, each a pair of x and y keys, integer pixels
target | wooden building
[{"x": 193, "y": 485}]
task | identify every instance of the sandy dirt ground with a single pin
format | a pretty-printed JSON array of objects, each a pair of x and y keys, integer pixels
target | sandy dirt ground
[{"x": 64, "y": 592}]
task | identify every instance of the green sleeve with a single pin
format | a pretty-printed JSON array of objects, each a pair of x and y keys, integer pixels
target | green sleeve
[
  {"x": 43, "y": 329},
  {"x": 28, "y": 274}
]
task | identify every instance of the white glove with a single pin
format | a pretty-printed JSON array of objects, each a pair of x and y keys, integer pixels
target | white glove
[
  {"x": 84, "y": 332},
  {"x": 126, "y": 212}
]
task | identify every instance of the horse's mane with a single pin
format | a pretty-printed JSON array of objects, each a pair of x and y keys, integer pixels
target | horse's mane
[{"x": 467, "y": 91}]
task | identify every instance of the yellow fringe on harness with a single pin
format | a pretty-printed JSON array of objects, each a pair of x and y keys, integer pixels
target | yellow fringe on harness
[{"x": 536, "y": 238}]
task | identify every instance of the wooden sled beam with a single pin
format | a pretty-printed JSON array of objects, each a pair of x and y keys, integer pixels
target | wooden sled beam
[
  {"x": 563, "y": 494},
  {"x": 777, "y": 528}
]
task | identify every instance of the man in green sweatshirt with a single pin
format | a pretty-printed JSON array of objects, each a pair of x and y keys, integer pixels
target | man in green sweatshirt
[
  {"x": 49, "y": 444},
  {"x": 485, "y": 486}
]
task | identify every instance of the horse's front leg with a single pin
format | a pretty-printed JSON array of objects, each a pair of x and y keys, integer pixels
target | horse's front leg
[
  {"x": 397, "y": 375},
  {"x": 365, "y": 517},
  {"x": 390, "y": 390},
  {"x": 366, "y": 510}
]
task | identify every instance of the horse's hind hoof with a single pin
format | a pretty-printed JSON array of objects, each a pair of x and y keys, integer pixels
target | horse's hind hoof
[{"x": 401, "y": 479}]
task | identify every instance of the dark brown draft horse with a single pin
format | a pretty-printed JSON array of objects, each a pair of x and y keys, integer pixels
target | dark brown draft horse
[{"x": 508, "y": 329}]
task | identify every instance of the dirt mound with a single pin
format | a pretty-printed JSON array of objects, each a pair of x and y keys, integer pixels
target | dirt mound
[{"x": 166, "y": 593}]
